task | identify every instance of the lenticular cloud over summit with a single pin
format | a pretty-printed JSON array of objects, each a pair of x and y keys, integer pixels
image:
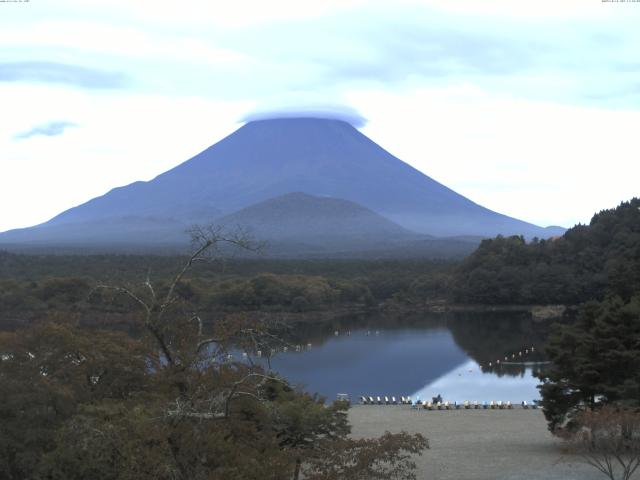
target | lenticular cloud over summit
[{"x": 328, "y": 112}]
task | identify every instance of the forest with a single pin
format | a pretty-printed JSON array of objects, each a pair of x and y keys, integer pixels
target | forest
[
  {"x": 587, "y": 263},
  {"x": 32, "y": 287},
  {"x": 143, "y": 393},
  {"x": 163, "y": 401}
]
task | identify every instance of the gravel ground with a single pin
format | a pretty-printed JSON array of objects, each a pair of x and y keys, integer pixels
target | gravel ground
[{"x": 477, "y": 444}]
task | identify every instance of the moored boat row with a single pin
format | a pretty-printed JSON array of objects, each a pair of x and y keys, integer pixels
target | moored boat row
[{"x": 445, "y": 405}]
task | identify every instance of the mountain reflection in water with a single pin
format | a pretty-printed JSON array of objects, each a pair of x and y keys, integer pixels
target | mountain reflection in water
[
  {"x": 468, "y": 382},
  {"x": 424, "y": 357}
]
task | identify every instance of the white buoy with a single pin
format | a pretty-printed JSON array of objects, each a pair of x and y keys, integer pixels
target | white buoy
[{"x": 336, "y": 333}]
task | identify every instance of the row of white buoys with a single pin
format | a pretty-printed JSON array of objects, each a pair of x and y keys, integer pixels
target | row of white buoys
[
  {"x": 337, "y": 333},
  {"x": 284, "y": 349},
  {"x": 444, "y": 405},
  {"x": 526, "y": 351},
  {"x": 368, "y": 333}
]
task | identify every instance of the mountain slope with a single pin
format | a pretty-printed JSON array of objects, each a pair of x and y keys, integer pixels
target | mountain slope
[
  {"x": 298, "y": 224},
  {"x": 308, "y": 218},
  {"x": 268, "y": 158}
]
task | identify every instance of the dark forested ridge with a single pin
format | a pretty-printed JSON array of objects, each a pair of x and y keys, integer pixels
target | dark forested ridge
[
  {"x": 587, "y": 262},
  {"x": 594, "y": 355},
  {"x": 37, "y": 286}
]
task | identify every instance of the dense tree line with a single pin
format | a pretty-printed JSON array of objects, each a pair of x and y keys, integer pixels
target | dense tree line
[
  {"x": 586, "y": 263},
  {"x": 118, "y": 267},
  {"x": 254, "y": 292},
  {"x": 595, "y": 362},
  {"x": 168, "y": 403},
  {"x": 33, "y": 287},
  {"x": 595, "y": 358}
]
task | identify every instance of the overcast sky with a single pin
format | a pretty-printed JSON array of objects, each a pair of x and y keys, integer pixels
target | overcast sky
[{"x": 530, "y": 108}]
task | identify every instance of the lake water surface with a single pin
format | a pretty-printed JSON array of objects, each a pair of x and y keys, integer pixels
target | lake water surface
[{"x": 456, "y": 358}]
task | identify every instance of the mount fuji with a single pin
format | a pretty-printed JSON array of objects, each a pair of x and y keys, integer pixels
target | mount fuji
[{"x": 351, "y": 187}]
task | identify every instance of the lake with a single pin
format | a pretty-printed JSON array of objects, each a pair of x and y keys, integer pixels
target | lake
[{"x": 460, "y": 357}]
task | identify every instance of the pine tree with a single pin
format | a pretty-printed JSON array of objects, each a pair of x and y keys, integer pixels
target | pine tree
[{"x": 595, "y": 361}]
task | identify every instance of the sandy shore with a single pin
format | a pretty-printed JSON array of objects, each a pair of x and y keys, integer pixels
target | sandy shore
[{"x": 477, "y": 444}]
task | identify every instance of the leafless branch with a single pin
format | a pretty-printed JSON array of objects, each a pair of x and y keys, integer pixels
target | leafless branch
[
  {"x": 172, "y": 286},
  {"x": 150, "y": 286},
  {"x": 128, "y": 292},
  {"x": 205, "y": 240},
  {"x": 240, "y": 382},
  {"x": 199, "y": 321},
  {"x": 206, "y": 342}
]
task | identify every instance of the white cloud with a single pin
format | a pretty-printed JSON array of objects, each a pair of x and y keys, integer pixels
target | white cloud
[
  {"x": 509, "y": 9},
  {"x": 63, "y": 37},
  {"x": 49, "y": 129},
  {"x": 120, "y": 139},
  {"x": 528, "y": 108},
  {"x": 542, "y": 162},
  {"x": 206, "y": 14}
]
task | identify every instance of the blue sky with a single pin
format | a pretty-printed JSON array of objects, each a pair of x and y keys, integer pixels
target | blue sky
[{"x": 529, "y": 108}]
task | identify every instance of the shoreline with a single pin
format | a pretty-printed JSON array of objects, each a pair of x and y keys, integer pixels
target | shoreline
[{"x": 538, "y": 312}]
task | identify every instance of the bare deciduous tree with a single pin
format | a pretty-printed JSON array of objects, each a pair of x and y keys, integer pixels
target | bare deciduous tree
[
  {"x": 205, "y": 403},
  {"x": 608, "y": 439},
  {"x": 208, "y": 243},
  {"x": 181, "y": 338}
]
